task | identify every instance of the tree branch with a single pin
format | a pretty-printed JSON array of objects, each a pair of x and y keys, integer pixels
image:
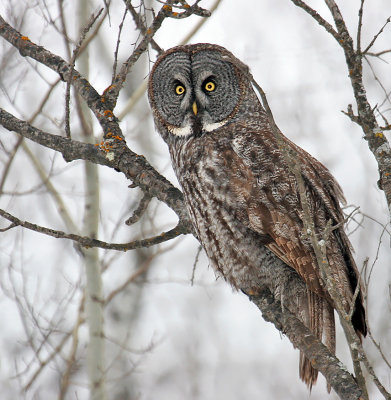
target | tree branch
[
  {"x": 377, "y": 142},
  {"x": 319, "y": 19},
  {"x": 301, "y": 337},
  {"x": 112, "y": 92},
  {"x": 138, "y": 20},
  {"x": 309, "y": 231},
  {"x": 114, "y": 152},
  {"x": 388, "y": 20},
  {"x": 86, "y": 241},
  {"x": 133, "y": 166}
]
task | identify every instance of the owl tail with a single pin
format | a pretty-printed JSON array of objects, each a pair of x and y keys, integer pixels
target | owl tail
[{"x": 322, "y": 325}]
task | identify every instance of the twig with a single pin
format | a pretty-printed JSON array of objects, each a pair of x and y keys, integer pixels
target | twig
[
  {"x": 72, "y": 354},
  {"x": 60, "y": 204},
  {"x": 75, "y": 54},
  {"x": 39, "y": 109},
  {"x": 47, "y": 360},
  {"x": 140, "y": 271},
  {"x": 117, "y": 47},
  {"x": 138, "y": 20},
  {"x": 377, "y": 253},
  {"x": 138, "y": 93},
  {"x": 375, "y": 379},
  {"x": 200, "y": 23},
  {"x": 320, "y": 20},
  {"x": 139, "y": 211},
  {"x": 64, "y": 33},
  {"x": 135, "y": 167},
  {"x": 377, "y": 345},
  {"x": 12, "y": 225},
  {"x": 112, "y": 92},
  {"x": 195, "y": 265},
  {"x": 350, "y": 114},
  {"x": 378, "y": 54},
  {"x": 388, "y": 20},
  {"x": 330, "y": 227},
  {"x": 359, "y": 27},
  {"x": 91, "y": 242},
  {"x": 193, "y": 9},
  {"x": 387, "y": 97},
  {"x": 9, "y": 163}
]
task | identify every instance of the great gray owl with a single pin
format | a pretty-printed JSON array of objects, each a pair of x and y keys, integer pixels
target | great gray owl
[{"x": 240, "y": 190}]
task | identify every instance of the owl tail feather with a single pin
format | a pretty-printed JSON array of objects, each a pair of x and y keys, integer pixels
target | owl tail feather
[
  {"x": 308, "y": 374},
  {"x": 322, "y": 325}
]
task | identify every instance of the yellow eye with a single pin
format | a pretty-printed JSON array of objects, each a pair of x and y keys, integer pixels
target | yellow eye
[
  {"x": 179, "y": 89},
  {"x": 210, "y": 86}
]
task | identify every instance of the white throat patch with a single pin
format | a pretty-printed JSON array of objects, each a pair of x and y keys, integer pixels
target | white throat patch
[
  {"x": 187, "y": 130},
  {"x": 180, "y": 130},
  {"x": 211, "y": 127}
]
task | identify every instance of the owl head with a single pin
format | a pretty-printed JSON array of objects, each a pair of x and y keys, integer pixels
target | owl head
[{"x": 196, "y": 89}]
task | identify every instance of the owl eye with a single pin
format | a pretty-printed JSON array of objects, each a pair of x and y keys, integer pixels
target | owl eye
[
  {"x": 209, "y": 86},
  {"x": 180, "y": 89}
]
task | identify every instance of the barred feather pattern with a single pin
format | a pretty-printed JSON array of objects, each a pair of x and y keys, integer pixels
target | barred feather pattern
[{"x": 242, "y": 195}]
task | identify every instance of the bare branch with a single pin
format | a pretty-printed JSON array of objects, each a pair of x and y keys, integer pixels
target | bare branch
[
  {"x": 75, "y": 54},
  {"x": 301, "y": 337},
  {"x": 72, "y": 355},
  {"x": 188, "y": 9},
  {"x": 360, "y": 15},
  {"x": 378, "y": 54},
  {"x": 44, "y": 363},
  {"x": 320, "y": 20},
  {"x": 377, "y": 142},
  {"x": 65, "y": 70},
  {"x": 135, "y": 167},
  {"x": 138, "y": 20},
  {"x": 140, "y": 271},
  {"x": 387, "y": 97},
  {"x": 138, "y": 213},
  {"x": 117, "y": 47},
  {"x": 112, "y": 92},
  {"x": 85, "y": 241},
  {"x": 319, "y": 247},
  {"x": 388, "y": 20},
  {"x": 195, "y": 264},
  {"x": 9, "y": 163},
  {"x": 382, "y": 152},
  {"x": 350, "y": 114},
  {"x": 12, "y": 225}
]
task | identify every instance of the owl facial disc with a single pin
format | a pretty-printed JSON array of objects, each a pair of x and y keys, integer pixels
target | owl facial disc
[{"x": 194, "y": 92}]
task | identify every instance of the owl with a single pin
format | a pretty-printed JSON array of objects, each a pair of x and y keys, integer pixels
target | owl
[{"x": 240, "y": 190}]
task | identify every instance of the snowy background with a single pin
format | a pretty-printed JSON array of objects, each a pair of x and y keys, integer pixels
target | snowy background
[{"x": 169, "y": 337}]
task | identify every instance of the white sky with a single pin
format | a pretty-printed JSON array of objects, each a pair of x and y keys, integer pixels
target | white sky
[{"x": 210, "y": 343}]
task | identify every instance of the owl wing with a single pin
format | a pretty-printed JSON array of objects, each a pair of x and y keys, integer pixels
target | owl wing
[
  {"x": 264, "y": 191},
  {"x": 270, "y": 191}
]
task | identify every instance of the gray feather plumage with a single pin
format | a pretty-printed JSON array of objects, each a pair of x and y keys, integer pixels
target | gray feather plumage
[{"x": 241, "y": 195}]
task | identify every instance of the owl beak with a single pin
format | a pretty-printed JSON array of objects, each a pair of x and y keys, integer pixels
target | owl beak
[{"x": 195, "y": 109}]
